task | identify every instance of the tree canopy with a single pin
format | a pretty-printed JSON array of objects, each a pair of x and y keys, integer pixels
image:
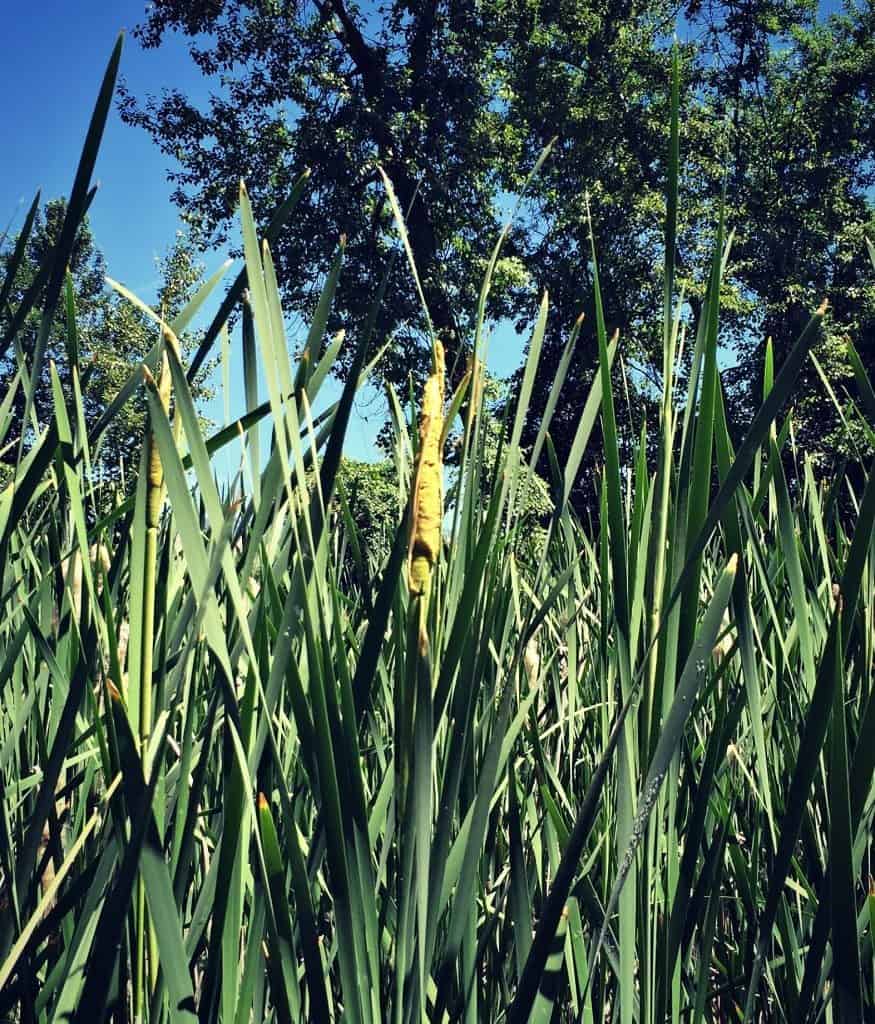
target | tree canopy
[
  {"x": 111, "y": 334},
  {"x": 456, "y": 101}
]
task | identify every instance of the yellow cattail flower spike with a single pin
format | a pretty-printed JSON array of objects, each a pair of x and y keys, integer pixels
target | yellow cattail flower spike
[
  {"x": 156, "y": 470},
  {"x": 428, "y": 498}
]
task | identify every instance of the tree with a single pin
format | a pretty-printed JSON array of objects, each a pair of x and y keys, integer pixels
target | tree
[
  {"x": 319, "y": 87},
  {"x": 112, "y": 336},
  {"x": 800, "y": 184},
  {"x": 456, "y": 101},
  {"x": 371, "y": 494},
  {"x": 777, "y": 128}
]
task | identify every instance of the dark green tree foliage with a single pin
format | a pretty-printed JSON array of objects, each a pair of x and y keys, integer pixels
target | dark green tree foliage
[
  {"x": 801, "y": 175},
  {"x": 112, "y": 335},
  {"x": 87, "y": 270},
  {"x": 456, "y": 101},
  {"x": 777, "y": 125},
  {"x": 372, "y": 496},
  {"x": 411, "y": 87}
]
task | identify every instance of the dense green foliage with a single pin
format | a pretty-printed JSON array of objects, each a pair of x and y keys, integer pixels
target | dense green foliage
[
  {"x": 369, "y": 499},
  {"x": 456, "y": 101},
  {"x": 96, "y": 336},
  {"x": 620, "y": 771}
]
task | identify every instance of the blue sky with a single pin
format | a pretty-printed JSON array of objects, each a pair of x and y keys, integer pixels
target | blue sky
[{"x": 54, "y": 58}]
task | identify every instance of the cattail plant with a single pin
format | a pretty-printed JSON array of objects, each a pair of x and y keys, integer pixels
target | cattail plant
[
  {"x": 153, "y": 507},
  {"x": 615, "y": 770}
]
